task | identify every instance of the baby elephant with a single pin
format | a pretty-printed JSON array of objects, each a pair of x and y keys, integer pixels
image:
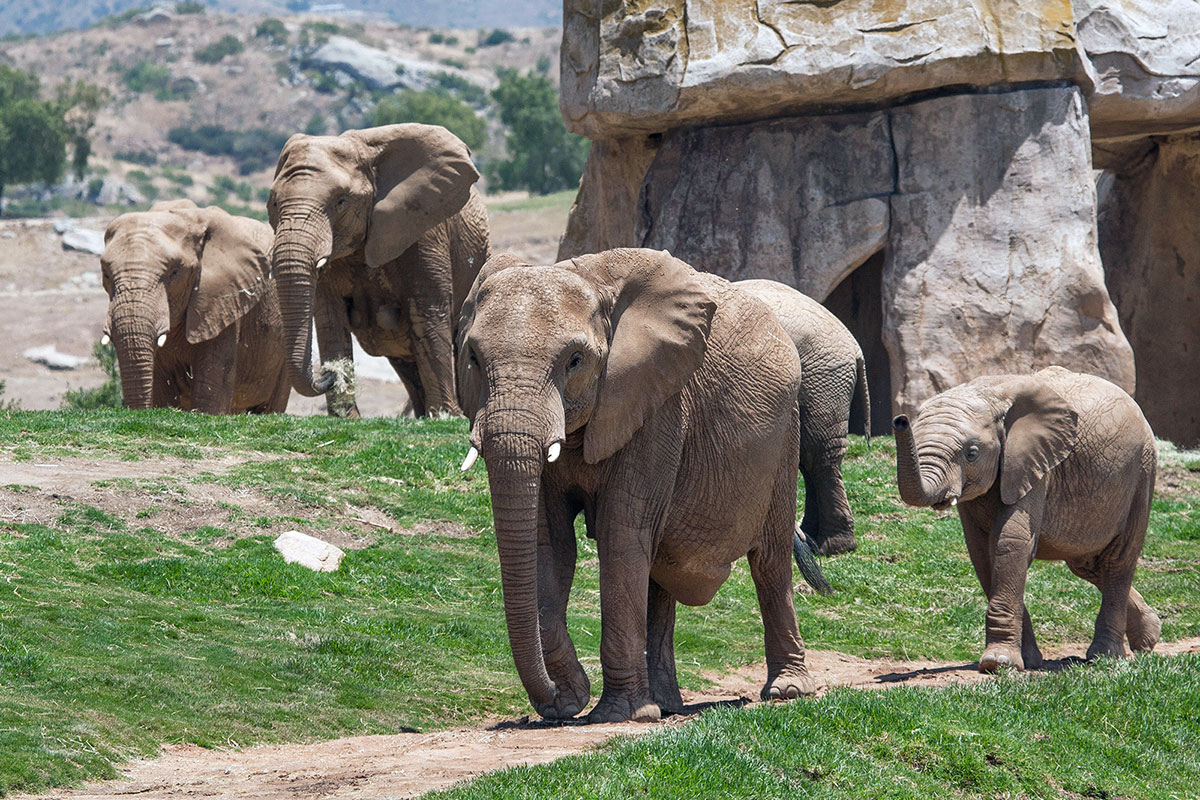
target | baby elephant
[
  {"x": 192, "y": 312},
  {"x": 1053, "y": 465}
]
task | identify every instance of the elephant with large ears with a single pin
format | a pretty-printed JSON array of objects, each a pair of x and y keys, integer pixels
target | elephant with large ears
[
  {"x": 192, "y": 312},
  {"x": 379, "y": 232},
  {"x": 661, "y": 403},
  {"x": 1054, "y": 465},
  {"x": 835, "y": 379}
]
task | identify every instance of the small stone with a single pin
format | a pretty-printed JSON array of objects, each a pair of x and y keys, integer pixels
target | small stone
[
  {"x": 308, "y": 551},
  {"x": 50, "y": 357}
]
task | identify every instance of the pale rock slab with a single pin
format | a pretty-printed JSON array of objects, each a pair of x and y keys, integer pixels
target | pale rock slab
[
  {"x": 308, "y": 551},
  {"x": 630, "y": 66},
  {"x": 993, "y": 263},
  {"x": 1152, "y": 265}
]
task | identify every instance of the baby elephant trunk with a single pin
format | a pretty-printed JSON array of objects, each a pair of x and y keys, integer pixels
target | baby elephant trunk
[{"x": 913, "y": 489}]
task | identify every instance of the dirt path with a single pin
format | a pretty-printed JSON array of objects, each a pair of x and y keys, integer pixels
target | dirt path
[{"x": 410, "y": 764}]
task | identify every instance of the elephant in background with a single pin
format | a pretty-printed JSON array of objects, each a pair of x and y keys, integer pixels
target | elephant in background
[
  {"x": 1054, "y": 465},
  {"x": 192, "y": 312},
  {"x": 379, "y": 232},
  {"x": 835, "y": 378},
  {"x": 661, "y": 403}
]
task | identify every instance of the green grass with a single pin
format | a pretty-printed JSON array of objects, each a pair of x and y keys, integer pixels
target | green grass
[
  {"x": 556, "y": 201},
  {"x": 1113, "y": 730},
  {"x": 117, "y": 636}
]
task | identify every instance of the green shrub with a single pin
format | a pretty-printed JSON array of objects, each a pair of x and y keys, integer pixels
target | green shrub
[
  {"x": 8, "y": 405},
  {"x": 178, "y": 176},
  {"x": 495, "y": 37},
  {"x": 316, "y": 125},
  {"x": 107, "y": 394},
  {"x": 431, "y": 107},
  {"x": 273, "y": 30},
  {"x": 189, "y": 7},
  {"x": 543, "y": 156},
  {"x": 468, "y": 92},
  {"x": 252, "y": 149},
  {"x": 457, "y": 63},
  {"x": 227, "y": 45},
  {"x": 146, "y": 158},
  {"x": 145, "y": 76},
  {"x": 436, "y": 38}
]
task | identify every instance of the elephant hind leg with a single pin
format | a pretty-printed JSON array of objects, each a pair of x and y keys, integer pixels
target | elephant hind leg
[
  {"x": 411, "y": 378},
  {"x": 828, "y": 521},
  {"x": 660, "y": 649}
]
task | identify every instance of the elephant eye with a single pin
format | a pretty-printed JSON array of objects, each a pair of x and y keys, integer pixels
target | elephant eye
[
  {"x": 341, "y": 201},
  {"x": 972, "y": 452},
  {"x": 576, "y": 359},
  {"x": 472, "y": 360}
]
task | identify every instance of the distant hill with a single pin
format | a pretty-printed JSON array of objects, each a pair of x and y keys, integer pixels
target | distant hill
[{"x": 41, "y": 17}]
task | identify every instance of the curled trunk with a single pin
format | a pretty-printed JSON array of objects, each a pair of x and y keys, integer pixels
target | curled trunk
[
  {"x": 293, "y": 260},
  {"x": 914, "y": 490}
]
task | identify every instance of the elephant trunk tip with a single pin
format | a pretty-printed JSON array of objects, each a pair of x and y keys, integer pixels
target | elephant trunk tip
[{"x": 900, "y": 423}]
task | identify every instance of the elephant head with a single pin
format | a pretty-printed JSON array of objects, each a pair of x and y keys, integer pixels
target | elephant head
[
  {"x": 176, "y": 270},
  {"x": 1016, "y": 428},
  {"x": 587, "y": 349},
  {"x": 369, "y": 193}
]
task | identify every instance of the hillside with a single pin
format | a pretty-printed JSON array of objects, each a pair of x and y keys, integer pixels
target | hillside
[
  {"x": 311, "y": 74},
  {"x": 37, "y": 17}
]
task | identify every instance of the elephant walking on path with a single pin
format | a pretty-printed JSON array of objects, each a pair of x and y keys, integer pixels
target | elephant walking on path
[
  {"x": 661, "y": 403},
  {"x": 1054, "y": 465},
  {"x": 192, "y": 312},
  {"x": 379, "y": 233},
  {"x": 835, "y": 378}
]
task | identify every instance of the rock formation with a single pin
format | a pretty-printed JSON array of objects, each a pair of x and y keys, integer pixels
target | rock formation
[{"x": 924, "y": 168}]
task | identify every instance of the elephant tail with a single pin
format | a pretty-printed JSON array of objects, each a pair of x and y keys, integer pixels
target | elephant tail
[
  {"x": 862, "y": 396},
  {"x": 807, "y": 562}
]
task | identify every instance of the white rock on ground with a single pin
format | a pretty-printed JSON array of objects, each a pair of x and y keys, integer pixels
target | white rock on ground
[
  {"x": 309, "y": 551},
  {"x": 83, "y": 240},
  {"x": 53, "y": 359}
]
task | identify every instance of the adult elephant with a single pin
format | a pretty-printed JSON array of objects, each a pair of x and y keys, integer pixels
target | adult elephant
[
  {"x": 192, "y": 312},
  {"x": 835, "y": 378},
  {"x": 379, "y": 232},
  {"x": 1054, "y": 465},
  {"x": 661, "y": 403}
]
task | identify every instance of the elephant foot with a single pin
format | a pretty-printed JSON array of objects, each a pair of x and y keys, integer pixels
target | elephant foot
[
  {"x": 1001, "y": 655},
  {"x": 790, "y": 684},
  {"x": 572, "y": 684},
  {"x": 619, "y": 708},
  {"x": 1100, "y": 648},
  {"x": 836, "y": 545},
  {"x": 1144, "y": 632},
  {"x": 564, "y": 706},
  {"x": 665, "y": 691}
]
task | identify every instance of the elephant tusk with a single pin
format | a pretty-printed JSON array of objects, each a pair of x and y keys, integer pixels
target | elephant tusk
[
  {"x": 472, "y": 454},
  {"x": 321, "y": 263},
  {"x": 162, "y": 339},
  {"x": 553, "y": 451},
  {"x": 105, "y": 340},
  {"x": 953, "y": 501}
]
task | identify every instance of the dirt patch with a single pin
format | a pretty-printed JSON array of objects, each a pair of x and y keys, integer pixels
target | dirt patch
[
  {"x": 410, "y": 764},
  {"x": 156, "y": 493}
]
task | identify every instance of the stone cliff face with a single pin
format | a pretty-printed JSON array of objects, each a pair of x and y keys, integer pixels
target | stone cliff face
[{"x": 923, "y": 167}]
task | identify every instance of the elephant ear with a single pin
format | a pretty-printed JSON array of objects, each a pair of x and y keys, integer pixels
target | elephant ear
[
  {"x": 234, "y": 265},
  {"x": 659, "y": 321},
  {"x": 423, "y": 176},
  {"x": 469, "y": 380},
  {"x": 1040, "y": 432}
]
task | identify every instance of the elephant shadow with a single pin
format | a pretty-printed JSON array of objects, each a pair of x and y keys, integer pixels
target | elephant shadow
[{"x": 1049, "y": 665}]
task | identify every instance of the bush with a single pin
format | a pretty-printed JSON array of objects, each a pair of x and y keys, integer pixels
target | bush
[
  {"x": 146, "y": 158},
  {"x": 252, "y": 149},
  {"x": 436, "y": 38},
  {"x": 227, "y": 45},
  {"x": 468, "y": 92},
  {"x": 8, "y": 405},
  {"x": 316, "y": 125},
  {"x": 107, "y": 394},
  {"x": 178, "y": 176},
  {"x": 497, "y": 36},
  {"x": 272, "y": 30},
  {"x": 431, "y": 107},
  {"x": 457, "y": 63},
  {"x": 189, "y": 7},
  {"x": 543, "y": 156},
  {"x": 146, "y": 77}
]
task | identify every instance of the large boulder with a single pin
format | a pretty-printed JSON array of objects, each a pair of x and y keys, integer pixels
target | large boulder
[{"x": 682, "y": 62}]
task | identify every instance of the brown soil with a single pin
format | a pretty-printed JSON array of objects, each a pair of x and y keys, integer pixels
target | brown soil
[{"x": 410, "y": 764}]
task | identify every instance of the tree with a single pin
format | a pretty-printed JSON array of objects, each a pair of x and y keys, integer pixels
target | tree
[
  {"x": 543, "y": 156},
  {"x": 431, "y": 107},
  {"x": 80, "y": 103},
  {"x": 33, "y": 134}
]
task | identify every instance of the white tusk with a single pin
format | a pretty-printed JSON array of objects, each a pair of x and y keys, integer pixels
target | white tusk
[
  {"x": 321, "y": 263},
  {"x": 104, "y": 340},
  {"x": 953, "y": 501},
  {"x": 162, "y": 339},
  {"x": 553, "y": 451},
  {"x": 472, "y": 454}
]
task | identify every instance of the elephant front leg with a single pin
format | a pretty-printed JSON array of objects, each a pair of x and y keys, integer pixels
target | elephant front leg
[
  {"x": 660, "y": 649},
  {"x": 214, "y": 372},
  {"x": 556, "y": 570},
  {"x": 433, "y": 349},
  {"x": 332, "y": 319},
  {"x": 979, "y": 548},
  {"x": 1142, "y": 625},
  {"x": 1013, "y": 542}
]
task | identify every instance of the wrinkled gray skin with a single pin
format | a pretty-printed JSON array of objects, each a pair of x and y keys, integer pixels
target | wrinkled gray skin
[
  {"x": 834, "y": 378},
  {"x": 196, "y": 279},
  {"x": 1054, "y": 465},
  {"x": 673, "y": 399},
  {"x": 379, "y": 232}
]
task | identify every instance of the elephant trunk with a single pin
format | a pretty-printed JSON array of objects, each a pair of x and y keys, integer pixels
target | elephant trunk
[
  {"x": 915, "y": 490},
  {"x": 136, "y": 322},
  {"x": 294, "y": 260},
  {"x": 515, "y": 442}
]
